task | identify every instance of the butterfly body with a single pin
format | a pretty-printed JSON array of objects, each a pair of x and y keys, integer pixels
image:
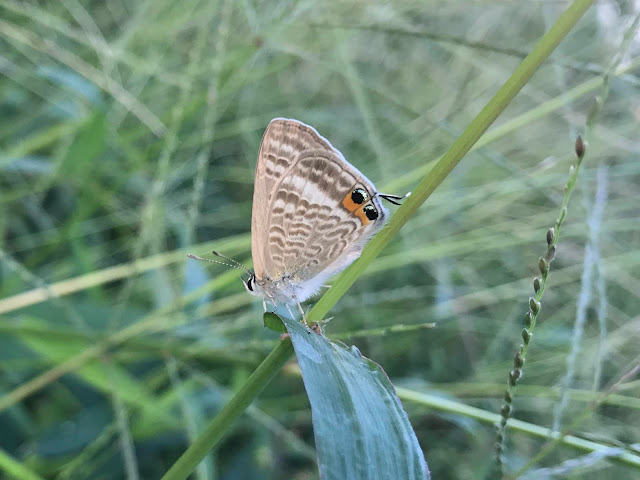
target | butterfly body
[{"x": 313, "y": 213}]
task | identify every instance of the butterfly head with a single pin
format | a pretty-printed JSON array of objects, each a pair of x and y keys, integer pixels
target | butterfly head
[{"x": 251, "y": 285}]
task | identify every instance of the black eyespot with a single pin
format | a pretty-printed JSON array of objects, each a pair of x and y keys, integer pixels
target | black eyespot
[
  {"x": 371, "y": 212},
  {"x": 250, "y": 284},
  {"x": 359, "y": 196}
]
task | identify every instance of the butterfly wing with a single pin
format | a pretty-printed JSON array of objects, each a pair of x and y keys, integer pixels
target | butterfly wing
[
  {"x": 313, "y": 228},
  {"x": 282, "y": 143}
]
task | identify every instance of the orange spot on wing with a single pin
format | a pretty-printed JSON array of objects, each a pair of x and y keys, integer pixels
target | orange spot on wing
[
  {"x": 362, "y": 216},
  {"x": 350, "y": 204},
  {"x": 356, "y": 209}
]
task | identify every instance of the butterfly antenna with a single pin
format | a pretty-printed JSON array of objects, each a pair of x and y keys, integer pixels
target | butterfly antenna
[
  {"x": 392, "y": 198},
  {"x": 233, "y": 263},
  {"x": 237, "y": 264}
]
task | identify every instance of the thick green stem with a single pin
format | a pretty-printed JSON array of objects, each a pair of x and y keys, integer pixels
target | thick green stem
[{"x": 278, "y": 357}]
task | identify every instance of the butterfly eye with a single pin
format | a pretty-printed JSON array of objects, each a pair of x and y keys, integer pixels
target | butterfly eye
[
  {"x": 371, "y": 212},
  {"x": 250, "y": 284},
  {"x": 359, "y": 196}
]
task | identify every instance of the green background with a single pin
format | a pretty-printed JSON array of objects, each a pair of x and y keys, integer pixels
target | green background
[{"x": 128, "y": 137}]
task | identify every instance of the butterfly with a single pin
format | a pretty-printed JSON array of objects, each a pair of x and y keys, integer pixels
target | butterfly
[{"x": 313, "y": 213}]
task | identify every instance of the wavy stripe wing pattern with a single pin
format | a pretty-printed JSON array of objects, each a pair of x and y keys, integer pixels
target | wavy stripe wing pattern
[{"x": 304, "y": 226}]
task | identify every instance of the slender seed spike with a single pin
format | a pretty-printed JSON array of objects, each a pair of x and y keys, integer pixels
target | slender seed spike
[
  {"x": 594, "y": 110},
  {"x": 563, "y": 213},
  {"x": 551, "y": 233},
  {"x": 534, "y": 305},
  {"x": 528, "y": 319},
  {"x": 580, "y": 150},
  {"x": 543, "y": 266},
  {"x": 551, "y": 254},
  {"x": 518, "y": 360}
]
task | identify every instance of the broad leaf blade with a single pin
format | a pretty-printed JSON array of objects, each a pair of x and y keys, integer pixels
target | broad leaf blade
[{"x": 360, "y": 428}]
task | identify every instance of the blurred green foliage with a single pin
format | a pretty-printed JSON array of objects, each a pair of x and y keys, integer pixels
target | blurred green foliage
[{"x": 128, "y": 138}]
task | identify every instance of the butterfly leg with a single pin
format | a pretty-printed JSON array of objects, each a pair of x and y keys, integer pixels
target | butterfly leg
[
  {"x": 272, "y": 302},
  {"x": 304, "y": 317},
  {"x": 293, "y": 316}
]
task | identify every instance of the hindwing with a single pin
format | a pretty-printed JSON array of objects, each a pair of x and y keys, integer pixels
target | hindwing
[{"x": 307, "y": 223}]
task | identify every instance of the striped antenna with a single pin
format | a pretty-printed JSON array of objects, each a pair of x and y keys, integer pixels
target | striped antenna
[{"x": 233, "y": 263}]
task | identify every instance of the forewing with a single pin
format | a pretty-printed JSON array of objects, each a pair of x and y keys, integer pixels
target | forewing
[
  {"x": 282, "y": 142},
  {"x": 313, "y": 224}
]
